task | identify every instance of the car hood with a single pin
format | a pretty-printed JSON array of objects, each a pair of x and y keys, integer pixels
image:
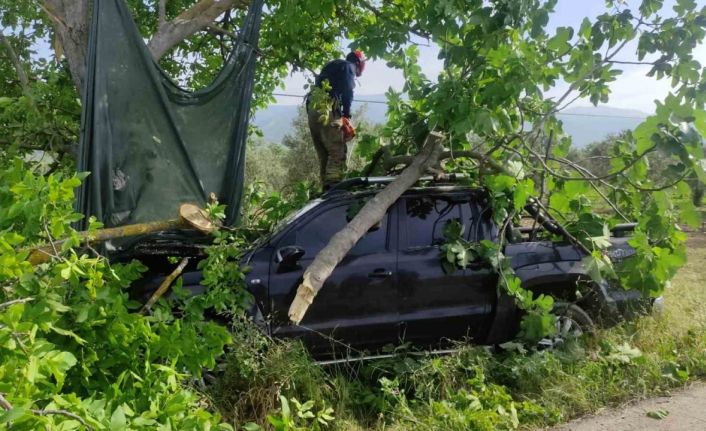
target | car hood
[
  {"x": 532, "y": 253},
  {"x": 619, "y": 249}
]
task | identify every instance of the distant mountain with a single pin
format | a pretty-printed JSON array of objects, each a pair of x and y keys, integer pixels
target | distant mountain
[
  {"x": 275, "y": 121},
  {"x": 584, "y": 124},
  {"x": 593, "y": 124}
]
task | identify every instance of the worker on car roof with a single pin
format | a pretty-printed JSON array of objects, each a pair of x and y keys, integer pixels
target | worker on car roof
[{"x": 330, "y": 123}]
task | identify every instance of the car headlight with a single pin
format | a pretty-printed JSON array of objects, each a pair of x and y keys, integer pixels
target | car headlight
[{"x": 658, "y": 305}]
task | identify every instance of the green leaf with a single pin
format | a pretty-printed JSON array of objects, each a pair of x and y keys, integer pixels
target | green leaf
[
  {"x": 658, "y": 414},
  {"x": 624, "y": 354},
  {"x": 643, "y": 134},
  {"x": 448, "y": 267},
  {"x": 58, "y": 363},
  {"x": 12, "y": 415},
  {"x": 286, "y": 412},
  {"x": 690, "y": 215},
  {"x": 536, "y": 326},
  {"x": 453, "y": 230},
  {"x": 32, "y": 368},
  {"x": 66, "y": 272},
  {"x": 118, "y": 421},
  {"x": 560, "y": 42},
  {"x": 523, "y": 191},
  {"x": 67, "y": 333}
]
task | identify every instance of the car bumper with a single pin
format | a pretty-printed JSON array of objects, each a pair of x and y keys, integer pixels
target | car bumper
[{"x": 618, "y": 304}]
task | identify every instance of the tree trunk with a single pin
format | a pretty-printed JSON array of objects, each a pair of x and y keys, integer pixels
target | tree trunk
[
  {"x": 373, "y": 211},
  {"x": 71, "y": 20}
]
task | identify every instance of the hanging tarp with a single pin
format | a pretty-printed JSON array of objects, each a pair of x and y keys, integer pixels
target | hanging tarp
[{"x": 150, "y": 145}]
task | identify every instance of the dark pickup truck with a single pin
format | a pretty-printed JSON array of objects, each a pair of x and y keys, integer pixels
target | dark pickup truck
[{"x": 391, "y": 286}]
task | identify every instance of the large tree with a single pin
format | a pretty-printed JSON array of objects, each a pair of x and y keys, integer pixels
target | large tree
[{"x": 182, "y": 19}]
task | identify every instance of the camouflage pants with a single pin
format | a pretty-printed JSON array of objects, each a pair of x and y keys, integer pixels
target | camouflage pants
[{"x": 330, "y": 146}]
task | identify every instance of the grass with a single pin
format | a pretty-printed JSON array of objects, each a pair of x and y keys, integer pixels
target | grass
[{"x": 478, "y": 390}]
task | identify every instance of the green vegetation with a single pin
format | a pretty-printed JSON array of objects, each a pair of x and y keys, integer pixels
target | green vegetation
[{"x": 75, "y": 350}]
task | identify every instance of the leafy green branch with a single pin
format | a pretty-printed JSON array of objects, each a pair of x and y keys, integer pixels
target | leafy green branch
[{"x": 457, "y": 252}]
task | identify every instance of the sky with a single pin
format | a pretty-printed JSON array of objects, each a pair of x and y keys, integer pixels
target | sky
[{"x": 632, "y": 90}]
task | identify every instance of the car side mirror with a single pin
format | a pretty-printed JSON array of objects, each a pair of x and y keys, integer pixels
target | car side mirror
[{"x": 288, "y": 257}]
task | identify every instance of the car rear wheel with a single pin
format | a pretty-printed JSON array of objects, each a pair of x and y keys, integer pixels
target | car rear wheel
[{"x": 572, "y": 322}]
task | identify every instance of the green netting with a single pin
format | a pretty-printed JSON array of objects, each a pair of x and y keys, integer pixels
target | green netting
[{"x": 151, "y": 145}]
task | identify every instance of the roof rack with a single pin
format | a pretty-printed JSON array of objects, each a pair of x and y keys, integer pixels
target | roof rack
[{"x": 351, "y": 183}]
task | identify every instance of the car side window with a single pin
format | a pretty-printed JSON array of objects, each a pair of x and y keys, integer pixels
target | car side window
[
  {"x": 426, "y": 217},
  {"x": 317, "y": 232}
]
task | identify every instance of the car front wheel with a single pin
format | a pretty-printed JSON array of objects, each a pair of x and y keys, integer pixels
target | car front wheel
[{"x": 572, "y": 322}]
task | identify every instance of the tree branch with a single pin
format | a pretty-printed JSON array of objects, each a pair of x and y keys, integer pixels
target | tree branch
[
  {"x": 659, "y": 188},
  {"x": 642, "y": 63},
  {"x": 21, "y": 74},
  {"x": 390, "y": 162},
  {"x": 192, "y": 20},
  {"x": 70, "y": 19},
  {"x": 4, "y": 403},
  {"x": 576, "y": 84},
  {"x": 374, "y": 210},
  {"x": 378, "y": 14},
  {"x": 66, "y": 413},
  {"x": 216, "y": 30},
  {"x": 15, "y": 301},
  {"x": 165, "y": 285},
  {"x": 534, "y": 207},
  {"x": 162, "y": 17},
  {"x": 583, "y": 171}
]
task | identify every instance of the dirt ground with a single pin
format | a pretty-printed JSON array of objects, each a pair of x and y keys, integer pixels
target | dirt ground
[{"x": 686, "y": 411}]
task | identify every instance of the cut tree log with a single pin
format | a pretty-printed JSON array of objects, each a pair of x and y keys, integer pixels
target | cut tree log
[
  {"x": 374, "y": 210},
  {"x": 190, "y": 216}
]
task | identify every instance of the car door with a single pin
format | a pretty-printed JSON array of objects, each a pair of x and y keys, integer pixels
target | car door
[
  {"x": 437, "y": 305},
  {"x": 358, "y": 304}
]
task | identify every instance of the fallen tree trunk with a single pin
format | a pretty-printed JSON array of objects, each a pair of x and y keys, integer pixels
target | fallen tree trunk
[{"x": 374, "y": 210}]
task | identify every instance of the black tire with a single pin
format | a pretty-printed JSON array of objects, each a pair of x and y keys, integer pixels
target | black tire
[
  {"x": 577, "y": 314},
  {"x": 572, "y": 322}
]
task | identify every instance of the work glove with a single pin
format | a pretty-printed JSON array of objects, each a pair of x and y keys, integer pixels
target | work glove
[{"x": 347, "y": 129}]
